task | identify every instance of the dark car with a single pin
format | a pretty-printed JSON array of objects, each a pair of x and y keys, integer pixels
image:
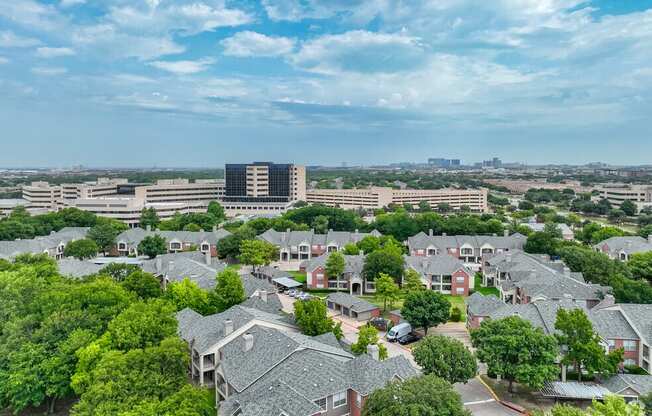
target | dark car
[
  {"x": 379, "y": 323},
  {"x": 409, "y": 338}
]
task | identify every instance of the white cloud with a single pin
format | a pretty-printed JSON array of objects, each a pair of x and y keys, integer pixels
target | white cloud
[
  {"x": 33, "y": 15},
  {"x": 186, "y": 17},
  {"x": 9, "y": 39},
  {"x": 3, "y": 60},
  {"x": 47, "y": 52},
  {"x": 249, "y": 43},
  {"x": 183, "y": 67},
  {"x": 360, "y": 51},
  {"x": 49, "y": 70}
]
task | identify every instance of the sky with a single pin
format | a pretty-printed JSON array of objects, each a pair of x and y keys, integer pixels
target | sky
[{"x": 197, "y": 83}]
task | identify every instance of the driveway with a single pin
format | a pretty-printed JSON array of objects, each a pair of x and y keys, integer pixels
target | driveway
[{"x": 479, "y": 400}]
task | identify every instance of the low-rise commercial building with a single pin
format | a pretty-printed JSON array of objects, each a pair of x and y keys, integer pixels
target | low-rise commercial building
[
  {"x": 198, "y": 193},
  {"x": 42, "y": 195},
  {"x": 616, "y": 194},
  {"x": 380, "y": 197}
]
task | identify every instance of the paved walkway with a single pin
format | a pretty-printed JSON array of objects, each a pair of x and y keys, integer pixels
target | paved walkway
[{"x": 480, "y": 400}]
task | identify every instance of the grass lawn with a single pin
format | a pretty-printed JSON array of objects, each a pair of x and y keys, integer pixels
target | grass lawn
[
  {"x": 484, "y": 290},
  {"x": 299, "y": 276},
  {"x": 454, "y": 300},
  {"x": 235, "y": 267}
]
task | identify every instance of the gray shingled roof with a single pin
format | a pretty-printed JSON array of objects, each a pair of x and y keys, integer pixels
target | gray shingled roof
[
  {"x": 287, "y": 239},
  {"x": 178, "y": 266},
  {"x": 78, "y": 268},
  {"x": 481, "y": 305},
  {"x": 353, "y": 264},
  {"x": 442, "y": 264},
  {"x": 351, "y": 302},
  {"x": 642, "y": 384},
  {"x": 641, "y": 317},
  {"x": 442, "y": 242},
  {"x": 133, "y": 236},
  {"x": 272, "y": 305},
  {"x": 10, "y": 249},
  {"x": 628, "y": 245}
]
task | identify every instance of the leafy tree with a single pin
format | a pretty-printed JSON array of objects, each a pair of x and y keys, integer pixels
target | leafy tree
[
  {"x": 387, "y": 290},
  {"x": 149, "y": 217},
  {"x": 104, "y": 236},
  {"x": 81, "y": 249},
  {"x": 640, "y": 265},
  {"x": 425, "y": 308},
  {"x": 257, "y": 253},
  {"x": 229, "y": 290},
  {"x": 424, "y": 206},
  {"x": 320, "y": 224},
  {"x": 119, "y": 271},
  {"x": 312, "y": 318},
  {"x": 646, "y": 231},
  {"x": 385, "y": 261},
  {"x": 216, "y": 211},
  {"x": 351, "y": 249},
  {"x": 229, "y": 247},
  {"x": 152, "y": 246},
  {"x": 143, "y": 324},
  {"x": 444, "y": 208},
  {"x": 581, "y": 345},
  {"x": 605, "y": 233},
  {"x": 445, "y": 357},
  {"x": 400, "y": 225},
  {"x": 143, "y": 284},
  {"x": 525, "y": 205},
  {"x": 369, "y": 244},
  {"x": 412, "y": 281},
  {"x": 187, "y": 294},
  {"x": 616, "y": 216},
  {"x": 427, "y": 395},
  {"x": 368, "y": 335},
  {"x": 542, "y": 243},
  {"x": 629, "y": 208},
  {"x": 335, "y": 266},
  {"x": 562, "y": 410},
  {"x": 615, "y": 406},
  {"x": 647, "y": 402},
  {"x": 514, "y": 349}
]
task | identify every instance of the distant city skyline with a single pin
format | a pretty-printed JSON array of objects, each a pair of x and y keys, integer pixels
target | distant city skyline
[{"x": 203, "y": 82}]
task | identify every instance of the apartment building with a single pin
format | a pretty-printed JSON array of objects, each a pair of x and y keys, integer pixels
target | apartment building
[
  {"x": 263, "y": 187},
  {"x": 42, "y": 195},
  {"x": 53, "y": 245},
  {"x": 622, "y": 248},
  {"x": 616, "y": 194},
  {"x": 177, "y": 241},
  {"x": 198, "y": 193},
  {"x": 380, "y": 197},
  {"x": 260, "y": 364},
  {"x": 442, "y": 273}
]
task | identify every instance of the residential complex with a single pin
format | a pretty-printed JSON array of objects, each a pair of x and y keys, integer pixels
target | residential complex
[
  {"x": 53, "y": 245},
  {"x": 622, "y": 248},
  {"x": 380, "y": 197},
  {"x": 616, "y": 194},
  {"x": 263, "y": 187}
]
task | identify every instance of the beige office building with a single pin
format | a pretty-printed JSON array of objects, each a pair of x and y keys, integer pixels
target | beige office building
[
  {"x": 198, "y": 193},
  {"x": 616, "y": 194},
  {"x": 42, "y": 195},
  {"x": 103, "y": 187},
  {"x": 380, "y": 197}
]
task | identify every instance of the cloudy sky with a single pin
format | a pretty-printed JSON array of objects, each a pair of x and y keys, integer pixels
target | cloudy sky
[{"x": 201, "y": 82}]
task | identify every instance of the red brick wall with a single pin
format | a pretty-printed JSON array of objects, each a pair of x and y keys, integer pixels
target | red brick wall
[
  {"x": 375, "y": 313},
  {"x": 634, "y": 355},
  {"x": 354, "y": 410},
  {"x": 474, "y": 321},
  {"x": 465, "y": 285},
  {"x": 419, "y": 252}
]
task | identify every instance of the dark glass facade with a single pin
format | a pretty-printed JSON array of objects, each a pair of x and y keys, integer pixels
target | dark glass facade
[{"x": 278, "y": 185}]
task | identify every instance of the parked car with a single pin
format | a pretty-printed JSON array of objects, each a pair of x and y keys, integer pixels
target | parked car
[
  {"x": 409, "y": 338},
  {"x": 292, "y": 293},
  {"x": 398, "y": 331},
  {"x": 379, "y": 323},
  {"x": 304, "y": 296}
]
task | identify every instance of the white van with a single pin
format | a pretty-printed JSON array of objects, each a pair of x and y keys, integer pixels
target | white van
[{"x": 398, "y": 331}]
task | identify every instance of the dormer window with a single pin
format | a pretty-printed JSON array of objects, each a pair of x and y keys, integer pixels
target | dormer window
[
  {"x": 205, "y": 247},
  {"x": 331, "y": 248},
  {"x": 175, "y": 245},
  {"x": 467, "y": 251},
  {"x": 122, "y": 246}
]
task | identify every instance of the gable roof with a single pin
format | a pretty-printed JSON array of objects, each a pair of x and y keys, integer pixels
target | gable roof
[
  {"x": 642, "y": 384},
  {"x": 192, "y": 265},
  {"x": 628, "y": 245},
  {"x": 133, "y": 236},
  {"x": 441, "y": 264},
  {"x": 444, "y": 242},
  {"x": 351, "y": 302},
  {"x": 77, "y": 268},
  {"x": 37, "y": 245},
  {"x": 287, "y": 239}
]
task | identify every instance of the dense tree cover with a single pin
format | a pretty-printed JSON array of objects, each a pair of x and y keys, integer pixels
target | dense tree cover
[
  {"x": 387, "y": 291},
  {"x": 187, "y": 294},
  {"x": 229, "y": 290},
  {"x": 426, "y": 395},
  {"x": 543, "y": 243},
  {"x": 611, "y": 406},
  {"x": 425, "y": 308},
  {"x": 586, "y": 206},
  {"x": 549, "y": 195},
  {"x": 580, "y": 345},
  {"x": 152, "y": 246},
  {"x": 640, "y": 265},
  {"x": 143, "y": 284},
  {"x": 368, "y": 335},
  {"x": 629, "y": 208},
  {"x": 149, "y": 218},
  {"x": 81, "y": 249},
  {"x": 445, "y": 357},
  {"x": 257, "y": 253},
  {"x": 21, "y": 225},
  {"x": 593, "y": 233},
  {"x": 119, "y": 271},
  {"x": 412, "y": 281},
  {"x": 351, "y": 249},
  {"x": 337, "y": 219},
  {"x": 104, "y": 235},
  {"x": 229, "y": 247},
  {"x": 514, "y": 349},
  {"x": 387, "y": 260},
  {"x": 312, "y": 318}
]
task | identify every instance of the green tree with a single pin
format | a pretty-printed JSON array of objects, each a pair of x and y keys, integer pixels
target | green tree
[
  {"x": 149, "y": 217},
  {"x": 386, "y": 290},
  {"x": 257, "y": 253},
  {"x": 647, "y": 402},
  {"x": 229, "y": 290},
  {"x": 386, "y": 261},
  {"x": 335, "y": 265},
  {"x": 143, "y": 284},
  {"x": 412, "y": 281},
  {"x": 369, "y": 244},
  {"x": 427, "y": 395},
  {"x": 542, "y": 243},
  {"x": 368, "y": 335},
  {"x": 629, "y": 208},
  {"x": 152, "y": 246},
  {"x": 646, "y": 231},
  {"x": 187, "y": 294},
  {"x": 320, "y": 224},
  {"x": 104, "y": 236},
  {"x": 143, "y": 324},
  {"x": 118, "y": 271},
  {"x": 581, "y": 345},
  {"x": 640, "y": 265},
  {"x": 312, "y": 318},
  {"x": 444, "y": 208},
  {"x": 425, "y": 308},
  {"x": 351, "y": 249},
  {"x": 424, "y": 206},
  {"x": 512, "y": 348},
  {"x": 445, "y": 357},
  {"x": 616, "y": 216},
  {"x": 216, "y": 211},
  {"x": 615, "y": 406},
  {"x": 81, "y": 249}
]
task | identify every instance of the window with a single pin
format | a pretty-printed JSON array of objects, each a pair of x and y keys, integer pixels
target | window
[
  {"x": 629, "y": 362},
  {"x": 459, "y": 290},
  {"x": 339, "y": 399},
  {"x": 321, "y": 403},
  {"x": 460, "y": 279},
  {"x": 467, "y": 251},
  {"x": 629, "y": 345},
  {"x": 205, "y": 247},
  {"x": 611, "y": 343}
]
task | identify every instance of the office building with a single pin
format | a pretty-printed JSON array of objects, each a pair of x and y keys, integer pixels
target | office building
[
  {"x": 103, "y": 187},
  {"x": 42, "y": 195},
  {"x": 198, "y": 193},
  {"x": 616, "y": 194},
  {"x": 263, "y": 187},
  {"x": 380, "y": 197}
]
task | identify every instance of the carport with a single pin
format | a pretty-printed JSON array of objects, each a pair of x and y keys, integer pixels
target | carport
[{"x": 286, "y": 283}]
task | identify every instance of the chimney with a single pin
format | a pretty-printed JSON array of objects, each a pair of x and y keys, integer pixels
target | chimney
[
  {"x": 159, "y": 264},
  {"x": 201, "y": 230},
  {"x": 533, "y": 273},
  {"x": 356, "y": 231},
  {"x": 149, "y": 227},
  {"x": 208, "y": 258},
  {"x": 248, "y": 342},
  {"x": 373, "y": 351},
  {"x": 443, "y": 234},
  {"x": 170, "y": 266},
  {"x": 262, "y": 294},
  {"x": 228, "y": 327},
  {"x": 567, "y": 271},
  {"x": 608, "y": 301},
  {"x": 288, "y": 230},
  {"x": 53, "y": 232},
  {"x": 215, "y": 228},
  {"x": 494, "y": 235},
  {"x": 430, "y": 232},
  {"x": 568, "y": 296},
  {"x": 508, "y": 257},
  {"x": 649, "y": 239},
  {"x": 506, "y": 233}
]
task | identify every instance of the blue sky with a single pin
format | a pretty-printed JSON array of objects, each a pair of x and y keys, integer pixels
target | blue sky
[{"x": 203, "y": 82}]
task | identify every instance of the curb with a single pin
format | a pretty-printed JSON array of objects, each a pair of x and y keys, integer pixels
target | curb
[{"x": 491, "y": 391}]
